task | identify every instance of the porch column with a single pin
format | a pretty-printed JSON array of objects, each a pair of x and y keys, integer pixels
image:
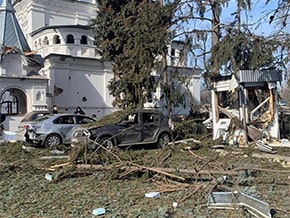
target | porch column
[{"x": 215, "y": 112}]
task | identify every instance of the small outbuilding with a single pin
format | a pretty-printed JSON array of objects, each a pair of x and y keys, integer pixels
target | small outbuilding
[{"x": 245, "y": 105}]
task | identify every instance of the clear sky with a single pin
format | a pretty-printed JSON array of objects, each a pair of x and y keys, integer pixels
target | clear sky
[
  {"x": 259, "y": 10},
  {"x": 258, "y": 17}
]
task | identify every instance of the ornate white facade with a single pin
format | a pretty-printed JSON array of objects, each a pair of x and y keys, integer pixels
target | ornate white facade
[{"x": 59, "y": 31}]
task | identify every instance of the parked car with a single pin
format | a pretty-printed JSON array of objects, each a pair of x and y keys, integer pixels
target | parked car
[
  {"x": 21, "y": 133},
  {"x": 136, "y": 128},
  {"x": 56, "y": 129}
]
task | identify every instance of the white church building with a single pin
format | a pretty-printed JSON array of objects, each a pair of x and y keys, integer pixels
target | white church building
[{"x": 48, "y": 57}]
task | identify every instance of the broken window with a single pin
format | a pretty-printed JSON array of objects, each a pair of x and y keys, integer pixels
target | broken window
[
  {"x": 132, "y": 118},
  {"x": 172, "y": 52},
  {"x": 148, "y": 118},
  {"x": 13, "y": 101}
]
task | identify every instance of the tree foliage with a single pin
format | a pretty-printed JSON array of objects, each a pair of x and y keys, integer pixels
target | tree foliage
[
  {"x": 224, "y": 47},
  {"x": 243, "y": 51},
  {"x": 131, "y": 34},
  {"x": 281, "y": 13}
]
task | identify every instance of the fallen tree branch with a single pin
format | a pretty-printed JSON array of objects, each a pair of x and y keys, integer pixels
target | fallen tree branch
[
  {"x": 167, "y": 171},
  {"x": 159, "y": 155},
  {"x": 174, "y": 188},
  {"x": 127, "y": 172},
  {"x": 197, "y": 156},
  {"x": 59, "y": 165},
  {"x": 281, "y": 210},
  {"x": 105, "y": 149},
  {"x": 159, "y": 170},
  {"x": 192, "y": 193},
  {"x": 262, "y": 169}
]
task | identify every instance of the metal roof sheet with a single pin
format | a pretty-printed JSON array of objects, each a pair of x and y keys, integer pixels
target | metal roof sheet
[
  {"x": 249, "y": 76},
  {"x": 11, "y": 34}
]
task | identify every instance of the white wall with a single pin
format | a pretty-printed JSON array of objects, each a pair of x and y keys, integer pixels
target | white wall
[
  {"x": 35, "y": 14},
  {"x": 81, "y": 82}
]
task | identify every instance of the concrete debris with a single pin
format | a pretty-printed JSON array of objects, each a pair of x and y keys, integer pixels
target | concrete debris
[
  {"x": 264, "y": 147},
  {"x": 54, "y": 157},
  {"x": 254, "y": 133},
  {"x": 174, "y": 204},
  {"x": 99, "y": 211},
  {"x": 193, "y": 147},
  {"x": 218, "y": 147},
  {"x": 283, "y": 143},
  {"x": 185, "y": 141},
  {"x": 27, "y": 148},
  {"x": 238, "y": 138},
  {"x": 49, "y": 177},
  {"x": 152, "y": 195},
  {"x": 57, "y": 152},
  {"x": 239, "y": 200}
]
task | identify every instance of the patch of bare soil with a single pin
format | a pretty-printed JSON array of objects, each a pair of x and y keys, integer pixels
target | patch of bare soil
[{"x": 37, "y": 182}]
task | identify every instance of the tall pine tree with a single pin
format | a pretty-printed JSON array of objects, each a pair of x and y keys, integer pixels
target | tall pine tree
[{"x": 131, "y": 34}]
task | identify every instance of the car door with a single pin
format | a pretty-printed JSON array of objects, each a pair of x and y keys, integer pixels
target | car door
[
  {"x": 65, "y": 125},
  {"x": 151, "y": 126},
  {"x": 131, "y": 131}
]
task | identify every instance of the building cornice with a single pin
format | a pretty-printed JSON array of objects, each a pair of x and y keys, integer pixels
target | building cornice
[{"x": 84, "y": 27}]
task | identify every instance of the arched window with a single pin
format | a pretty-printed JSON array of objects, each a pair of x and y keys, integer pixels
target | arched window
[
  {"x": 70, "y": 39},
  {"x": 84, "y": 40},
  {"x": 56, "y": 39},
  {"x": 13, "y": 101},
  {"x": 45, "y": 41}
]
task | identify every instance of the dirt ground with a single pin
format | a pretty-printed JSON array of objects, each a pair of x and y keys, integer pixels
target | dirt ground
[{"x": 68, "y": 182}]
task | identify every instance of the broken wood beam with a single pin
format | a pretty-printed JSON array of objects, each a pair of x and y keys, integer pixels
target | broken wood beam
[
  {"x": 169, "y": 171},
  {"x": 161, "y": 170}
]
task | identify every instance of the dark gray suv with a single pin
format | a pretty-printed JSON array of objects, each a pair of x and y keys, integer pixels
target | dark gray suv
[{"x": 136, "y": 128}]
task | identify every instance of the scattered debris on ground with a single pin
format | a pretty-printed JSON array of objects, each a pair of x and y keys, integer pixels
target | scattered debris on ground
[{"x": 179, "y": 180}]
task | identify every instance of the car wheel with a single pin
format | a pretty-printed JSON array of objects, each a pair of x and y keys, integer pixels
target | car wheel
[
  {"x": 107, "y": 142},
  {"x": 52, "y": 139},
  {"x": 163, "y": 140}
]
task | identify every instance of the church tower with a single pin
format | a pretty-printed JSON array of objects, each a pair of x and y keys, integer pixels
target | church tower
[
  {"x": 60, "y": 30},
  {"x": 22, "y": 88}
]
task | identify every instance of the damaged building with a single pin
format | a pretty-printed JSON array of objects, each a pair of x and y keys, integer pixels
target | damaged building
[
  {"x": 20, "y": 81},
  {"x": 245, "y": 106}
]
